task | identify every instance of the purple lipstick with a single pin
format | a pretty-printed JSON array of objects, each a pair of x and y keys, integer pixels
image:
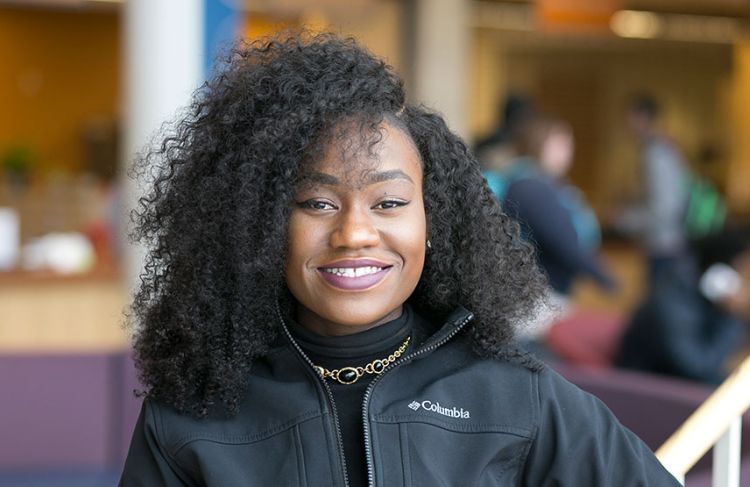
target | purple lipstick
[{"x": 354, "y": 275}]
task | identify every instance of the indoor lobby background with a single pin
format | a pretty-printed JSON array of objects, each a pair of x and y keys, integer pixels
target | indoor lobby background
[{"x": 85, "y": 84}]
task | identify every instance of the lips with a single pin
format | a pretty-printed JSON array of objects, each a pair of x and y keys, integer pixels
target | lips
[{"x": 354, "y": 275}]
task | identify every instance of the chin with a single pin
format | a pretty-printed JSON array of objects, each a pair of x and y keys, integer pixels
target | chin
[{"x": 358, "y": 315}]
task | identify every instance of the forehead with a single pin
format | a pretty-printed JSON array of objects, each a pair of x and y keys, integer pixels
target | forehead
[{"x": 357, "y": 156}]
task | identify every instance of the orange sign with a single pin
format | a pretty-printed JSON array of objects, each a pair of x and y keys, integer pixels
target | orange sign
[{"x": 575, "y": 15}]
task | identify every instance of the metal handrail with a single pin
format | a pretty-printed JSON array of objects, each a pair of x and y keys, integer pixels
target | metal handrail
[{"x": 710, "y": 424}]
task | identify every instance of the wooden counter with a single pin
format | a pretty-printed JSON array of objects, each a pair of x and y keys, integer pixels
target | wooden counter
[{"x": 45, "y": 312}]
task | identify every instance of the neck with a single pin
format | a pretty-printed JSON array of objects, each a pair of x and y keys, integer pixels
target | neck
[{"x": 321, "y": 326}]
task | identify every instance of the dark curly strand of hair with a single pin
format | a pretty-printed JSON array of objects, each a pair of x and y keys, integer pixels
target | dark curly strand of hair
[{"x": 216, "y": 217}]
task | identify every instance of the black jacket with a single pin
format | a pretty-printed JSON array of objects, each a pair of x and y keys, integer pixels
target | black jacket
[{"x": 440, "y": 416}]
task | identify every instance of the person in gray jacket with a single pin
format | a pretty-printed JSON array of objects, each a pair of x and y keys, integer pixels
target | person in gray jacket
[
  {"x": 660, "y": 220},
  {"x": 331, "y": 295}
]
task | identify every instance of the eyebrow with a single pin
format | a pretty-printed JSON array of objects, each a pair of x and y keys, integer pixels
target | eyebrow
[
  {"x": 313, "y": 177},
  {"x": 322, "y": 178}
]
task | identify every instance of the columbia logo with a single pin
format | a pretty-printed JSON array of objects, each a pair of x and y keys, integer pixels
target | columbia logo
[{"x": 435, "y": 407}]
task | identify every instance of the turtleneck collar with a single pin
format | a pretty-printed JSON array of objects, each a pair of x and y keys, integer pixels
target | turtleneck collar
[{"x": 357, "y": 346}]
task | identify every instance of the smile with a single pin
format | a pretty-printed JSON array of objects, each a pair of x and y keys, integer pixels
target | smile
[
  {"x": 353, "y": 271},
  {"x": 354, "y": 277}
]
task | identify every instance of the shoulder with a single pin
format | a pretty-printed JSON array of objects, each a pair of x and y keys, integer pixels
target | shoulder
[
  {"x": 277, "y": 393},
  {"x": 170, "y": 428},
  {"x": 533, "y": 194},
  {"x": 555, "y": 393},
  {"x": 538, "y": 383},
  {"x": 529, "y": 197},
  {"x": 662, "y": 151},
  {"x": 532, "y": 184},
  {"x": 574, "y": 429}
]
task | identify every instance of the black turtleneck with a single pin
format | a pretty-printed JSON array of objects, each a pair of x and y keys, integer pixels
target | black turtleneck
[{"x": 357, "y": 350}]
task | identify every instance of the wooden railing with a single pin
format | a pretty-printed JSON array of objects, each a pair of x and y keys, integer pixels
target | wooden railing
[{"x": 716, "y": 423}]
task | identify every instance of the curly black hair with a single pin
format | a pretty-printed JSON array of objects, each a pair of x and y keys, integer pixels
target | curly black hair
[{"x": 221, "y": 189}]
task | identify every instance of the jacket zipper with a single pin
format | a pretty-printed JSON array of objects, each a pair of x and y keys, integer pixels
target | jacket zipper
[
  {"x": 368, "y": 392},
  {"x": 327, "y": 388}
]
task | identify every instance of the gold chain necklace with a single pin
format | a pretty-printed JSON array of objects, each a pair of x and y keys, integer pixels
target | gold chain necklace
[{"x": 350, "y": 375}]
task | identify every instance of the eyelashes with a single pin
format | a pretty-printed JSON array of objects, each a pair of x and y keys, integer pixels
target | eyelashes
[
  {"x": 313, "y": 204},
  {"x": 325, "y": 205},
  {"x": 390, "y": 204}
]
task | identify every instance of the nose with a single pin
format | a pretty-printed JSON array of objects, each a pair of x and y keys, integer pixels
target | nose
[{"x": 355, "y": 229}]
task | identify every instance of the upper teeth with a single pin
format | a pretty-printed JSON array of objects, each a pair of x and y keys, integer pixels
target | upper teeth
[{"x": 352, "y": 271}]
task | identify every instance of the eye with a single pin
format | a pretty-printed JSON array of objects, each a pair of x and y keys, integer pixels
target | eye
[
  {"x": 316, "y": 205},
  {"x": 390, "y": 204}
]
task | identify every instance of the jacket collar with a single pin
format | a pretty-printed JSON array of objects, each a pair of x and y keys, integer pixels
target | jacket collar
[
  {"x": 452, "y": 324},
  {"x": 425, "y": 332}
]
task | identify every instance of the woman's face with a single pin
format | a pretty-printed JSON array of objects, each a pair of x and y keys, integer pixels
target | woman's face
[
  {"x": 357, "y": 236},
  {"x": 557, "y": 153}
]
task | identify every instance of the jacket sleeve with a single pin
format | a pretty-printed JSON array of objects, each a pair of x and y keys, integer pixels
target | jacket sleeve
[
  {"x": 580, "y": 442},
  {"x": 148, "y": 464}
]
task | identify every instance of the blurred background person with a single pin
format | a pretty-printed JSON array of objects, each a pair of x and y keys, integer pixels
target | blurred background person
[
  {"x": 693, "y": 319},
  {"x": 659, "y": 220},
  {"x": 553, "y": 214},
  {"x": 499, "y": 148}
]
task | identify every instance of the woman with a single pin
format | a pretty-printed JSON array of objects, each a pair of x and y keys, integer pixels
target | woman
[
  {"x": 552, "y": 214},
  {"x": 301, "y": 320}
]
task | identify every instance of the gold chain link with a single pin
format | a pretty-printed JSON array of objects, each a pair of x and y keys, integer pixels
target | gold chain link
[{"x": 375, "y": 367}]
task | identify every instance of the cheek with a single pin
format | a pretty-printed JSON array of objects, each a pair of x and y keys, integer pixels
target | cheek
[
  {"x": 413, "y": 238},
  {"x": 300, "y": 244}
]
